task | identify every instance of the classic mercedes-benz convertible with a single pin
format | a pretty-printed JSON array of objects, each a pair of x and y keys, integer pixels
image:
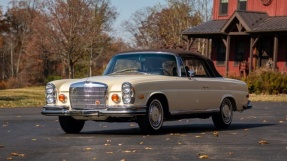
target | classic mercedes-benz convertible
[{"x": 148, "y": 87}]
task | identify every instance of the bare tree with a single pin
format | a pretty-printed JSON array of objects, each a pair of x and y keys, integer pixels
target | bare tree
[
  {"x": 70, "y": 27},
  {"x": 161, "y": 26},
  {"x": 17, "y": 34}
]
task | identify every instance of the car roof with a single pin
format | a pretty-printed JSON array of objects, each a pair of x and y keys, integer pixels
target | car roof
[
  {"x": 171, "y": 51},
  {"x": 181, "y": 53}
]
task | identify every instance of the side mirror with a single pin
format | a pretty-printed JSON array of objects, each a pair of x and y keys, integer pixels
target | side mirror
[{"x": 191, "y": 74}]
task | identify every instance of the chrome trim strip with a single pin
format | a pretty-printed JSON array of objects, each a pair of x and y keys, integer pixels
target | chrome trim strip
[
  {"x": 195, "y": 112},
  {"x": 116, "y": 111}
]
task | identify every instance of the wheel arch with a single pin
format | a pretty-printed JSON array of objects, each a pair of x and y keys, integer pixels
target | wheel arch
[
  {"x": 163, "y": 99},
  {"x": 232, "y": 100}
]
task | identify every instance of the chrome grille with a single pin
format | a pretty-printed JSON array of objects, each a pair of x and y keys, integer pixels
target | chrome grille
[{"x": 88, "y": 95}]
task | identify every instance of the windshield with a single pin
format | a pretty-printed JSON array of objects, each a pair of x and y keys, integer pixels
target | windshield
[{"x": 142, "y": 63}]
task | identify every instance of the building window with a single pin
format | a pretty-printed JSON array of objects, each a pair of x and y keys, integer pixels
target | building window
[
  {"x": 239, "y": 53},
  {"x": 242, "y": 5},
  {"x": 223, "y": 7},
  {"x": 221, "y": 52}
]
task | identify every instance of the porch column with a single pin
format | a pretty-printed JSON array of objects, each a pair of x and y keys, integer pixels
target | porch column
[
  {"x": 251, "y": 54},
  {"x": 227, "y": 52},
  {"x": 275, "y": 53},
  {"x": 252, "y": 45},
  {"x": 208, "y": 48}
]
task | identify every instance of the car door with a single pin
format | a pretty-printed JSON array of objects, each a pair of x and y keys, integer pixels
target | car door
[{"x": 194, "y": 91}]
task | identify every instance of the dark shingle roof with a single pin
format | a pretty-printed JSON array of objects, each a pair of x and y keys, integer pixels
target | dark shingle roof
[
  {"x": 210, "y": 27},
  {"x": 272, "y": 24},
  {"x": 252, "y": 21},
  {"x": 249, "y": 19}
]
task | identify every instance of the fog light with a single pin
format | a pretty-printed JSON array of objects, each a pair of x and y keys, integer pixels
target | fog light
[
  {"x": 115, "y": 98},
  {"x": 62, "y": 98}
]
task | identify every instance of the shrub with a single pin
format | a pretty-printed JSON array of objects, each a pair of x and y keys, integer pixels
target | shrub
[
  {"x": 51, "y": 78},
  {"x": 266, "y": 82}
]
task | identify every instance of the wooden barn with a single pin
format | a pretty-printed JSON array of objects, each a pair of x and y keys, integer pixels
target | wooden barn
[{"x": 245, "y": 35}]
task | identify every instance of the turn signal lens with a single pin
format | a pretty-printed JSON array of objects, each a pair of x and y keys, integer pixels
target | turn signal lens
[
  {"x": 62, "y": 98},
  {"x": 115, "y": 98}
]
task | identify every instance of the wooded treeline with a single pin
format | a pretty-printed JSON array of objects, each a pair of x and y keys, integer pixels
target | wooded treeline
[{"x": 45, "y": 40}]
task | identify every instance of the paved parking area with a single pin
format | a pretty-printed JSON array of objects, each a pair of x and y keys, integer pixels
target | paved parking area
[{"x": 258, "y": 134}]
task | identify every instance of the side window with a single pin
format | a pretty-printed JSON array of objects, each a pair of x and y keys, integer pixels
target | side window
[
  {"x": 183, "y": 69},
  {"x": 223, "y": 7},
  {"x": 197, "y": 66}
]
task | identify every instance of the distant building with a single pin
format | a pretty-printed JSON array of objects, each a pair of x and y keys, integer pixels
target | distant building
[{"x": 245, "y": 30}]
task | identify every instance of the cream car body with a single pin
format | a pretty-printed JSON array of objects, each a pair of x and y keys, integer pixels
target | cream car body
[{"x": 174, "y": 96}]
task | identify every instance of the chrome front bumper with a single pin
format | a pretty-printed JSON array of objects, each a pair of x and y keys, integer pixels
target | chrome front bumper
[{"x": 114, "y": 111}]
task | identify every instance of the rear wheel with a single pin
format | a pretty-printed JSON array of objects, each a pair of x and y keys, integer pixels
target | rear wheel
[
  {"x": 223, "y": 119},
  {"x": 153, "y": 120},
  {"x": 71, "y": 125}
]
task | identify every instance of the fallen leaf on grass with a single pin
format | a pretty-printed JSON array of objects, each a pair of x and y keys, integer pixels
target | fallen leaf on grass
[
  {"x": 203, "y": 157},
  {"x": 263, "y": 142}
]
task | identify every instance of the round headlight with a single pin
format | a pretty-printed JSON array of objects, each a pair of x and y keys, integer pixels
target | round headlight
[
  {"x": 126, "y": 88},
  {"x": 127, "y": 93},
  {"x": 50, "y": 88},
  {"x": 50, "y": 99}
]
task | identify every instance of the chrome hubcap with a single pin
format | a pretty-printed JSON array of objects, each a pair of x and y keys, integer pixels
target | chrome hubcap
[
  {"x": 227, "y": 111},
  {"x": 155, "y": 114}
]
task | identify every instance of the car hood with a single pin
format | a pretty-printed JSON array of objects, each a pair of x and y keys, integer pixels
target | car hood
[{"x": 114, "y": 82}]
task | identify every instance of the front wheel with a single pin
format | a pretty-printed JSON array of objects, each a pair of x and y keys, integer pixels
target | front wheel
[
  {"x": 71, "y": 125},
  {"x": 223, "y": 119},
  {"x": 153, "y": 120}
]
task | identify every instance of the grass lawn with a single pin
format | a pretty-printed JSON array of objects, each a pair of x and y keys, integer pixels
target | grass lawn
[
  {"x": 23, "y": 97},
  {"x": 35, "y": 97}
]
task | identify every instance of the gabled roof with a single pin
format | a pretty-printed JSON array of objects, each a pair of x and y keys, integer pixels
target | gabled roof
[
  {"x": 251, "y": 21},
  {"x": 248, "y": 19},
  {"x": 210, "y": 27}
]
